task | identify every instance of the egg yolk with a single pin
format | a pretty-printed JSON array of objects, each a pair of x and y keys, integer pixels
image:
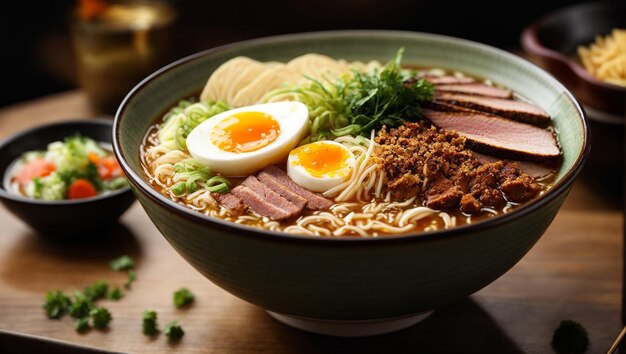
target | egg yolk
[
  {"x": 321, "y": 159},
  {"x": 245, "y": 132}
]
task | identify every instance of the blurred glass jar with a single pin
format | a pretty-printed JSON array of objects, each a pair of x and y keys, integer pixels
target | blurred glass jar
[{"x": 117, "y": 44}]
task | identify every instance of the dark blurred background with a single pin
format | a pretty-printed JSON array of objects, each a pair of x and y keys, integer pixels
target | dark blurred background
[{"x": 37, "y": 54}]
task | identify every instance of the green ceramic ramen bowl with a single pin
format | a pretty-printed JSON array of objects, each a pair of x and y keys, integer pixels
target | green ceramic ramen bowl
[{"x": 352, "y": 286}]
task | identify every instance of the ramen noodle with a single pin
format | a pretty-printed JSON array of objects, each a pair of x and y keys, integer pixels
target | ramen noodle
[{"x": 605, "y": 59}]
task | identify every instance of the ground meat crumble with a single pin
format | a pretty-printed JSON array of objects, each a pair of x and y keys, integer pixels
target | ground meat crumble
[{"x": 439, "y": 168}]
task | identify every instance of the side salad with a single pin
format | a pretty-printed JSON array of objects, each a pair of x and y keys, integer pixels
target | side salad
[{"x": 75, "y": 168}]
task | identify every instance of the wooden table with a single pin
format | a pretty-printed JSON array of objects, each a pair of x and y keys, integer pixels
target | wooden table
[{"x": 573, "y": 272}]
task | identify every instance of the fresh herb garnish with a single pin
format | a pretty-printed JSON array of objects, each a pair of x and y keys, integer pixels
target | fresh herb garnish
[
  {"x": 174, "y": 331},
  {"x": 115, "y": 294},
  {"x": 101, "y": 317},
  {"x": 96, "y": 291},
  {"x": 81, "y": 324},
  {"x": 570, "y": 338},
  {"x": 183, "y": 297},
  {"x": 149, "y": 323},
  {"x": 122, "y": 263},
  {"x": 385, "y": 97},
  {"x": 132, "y": 276},
  {"x": 57, "y": 304},
  {"x": 82, "y": 305},
  {"x": 355, "y": 104}
]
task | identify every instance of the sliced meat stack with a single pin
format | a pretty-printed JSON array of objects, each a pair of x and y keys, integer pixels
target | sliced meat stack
[
  {"x": 475, "y": 89},
  {"x": 447, "y": 79},
  {"x": 229, "y": 201},
  {"x": 508, "y": 108},
  {"x": 273, "y": 194},
  {"x": 491, "y": 119},
  {"x": 314, "y": 201},
  {"x": 499, "y": 136}
]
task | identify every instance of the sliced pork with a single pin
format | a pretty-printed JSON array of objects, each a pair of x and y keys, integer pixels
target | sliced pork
[
  {"x": 447, "y": 79},
  {"x": 281, "y": 189},
  {"x": 229, "y": 201},
  {"x": 476, "y": 89},
  {"x": 314, "y": 201},
  {"x": 449, "y": 107},
  {"x": 268, "y": 194},
  {"x": 497, "y": 136},
  {"x": 260, "y": 205},
  {"x": 517, "y": 110}
]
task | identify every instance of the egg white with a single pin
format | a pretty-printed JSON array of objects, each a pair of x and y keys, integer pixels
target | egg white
[{"x": 293, "y": 119}]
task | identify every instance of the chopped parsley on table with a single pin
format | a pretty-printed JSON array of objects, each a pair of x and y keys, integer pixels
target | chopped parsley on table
[
  {"x": 83, "y": 307},
  {"x": 183, "y": 297},
  {"x": 101, "y": 317},
  {"x": 149, "y": 323},
  {"x": 122, "y": 263},
  {"x": 115, "y": 294},
  {"x": 174, "y": 331},
  {"x": 570, "y": 338},
  {"x": 57, "y": 304}
]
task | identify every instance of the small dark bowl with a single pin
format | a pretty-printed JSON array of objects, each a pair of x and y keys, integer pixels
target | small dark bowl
[
  {"x": 68, "y": 219},
  {"x": 552, "y": 42}
]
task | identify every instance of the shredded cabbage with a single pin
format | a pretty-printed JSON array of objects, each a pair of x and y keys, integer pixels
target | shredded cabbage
[{"x": 51, "y": 187}]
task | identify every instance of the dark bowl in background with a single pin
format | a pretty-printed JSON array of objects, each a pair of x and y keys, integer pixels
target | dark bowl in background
[
  {"x": 552, "y": 42},
  {"x": 63, "y": 219}
]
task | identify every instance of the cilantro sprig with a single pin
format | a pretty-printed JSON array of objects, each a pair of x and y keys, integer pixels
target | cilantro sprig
[{"x": 388, "y": 96}]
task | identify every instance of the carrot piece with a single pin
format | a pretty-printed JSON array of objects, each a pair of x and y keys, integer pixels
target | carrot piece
[
  {"x": 109, "y": 168},
  {"x": 35, "y": 168},
  {"x": 81, "y": 188},
  {"x": 93, "y": 157}
]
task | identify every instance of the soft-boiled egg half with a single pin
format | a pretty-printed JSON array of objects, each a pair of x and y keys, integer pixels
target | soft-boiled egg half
[
  {"x": 244, "y": 140},
  {"x": 320, "y": 166}
]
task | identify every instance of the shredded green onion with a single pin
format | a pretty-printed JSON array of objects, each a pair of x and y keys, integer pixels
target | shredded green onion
[
  {"x": 217, "y": 184},
  {"x": 192, "y": 176}
]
